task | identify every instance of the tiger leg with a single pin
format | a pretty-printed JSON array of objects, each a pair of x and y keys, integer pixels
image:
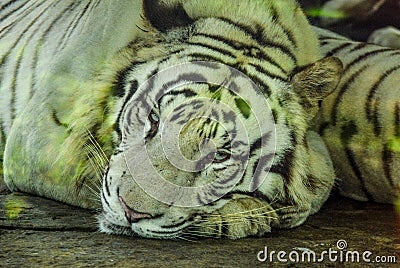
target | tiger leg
[{"x": 38, "y": 160}]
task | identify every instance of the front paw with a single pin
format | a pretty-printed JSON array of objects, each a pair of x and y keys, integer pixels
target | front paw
[{"x": 240, "y": 218}]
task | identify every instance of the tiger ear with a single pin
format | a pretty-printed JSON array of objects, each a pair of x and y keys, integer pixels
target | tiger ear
[
  {"x": 316, "y": 81},
  {"x": 164, "y": 15}
]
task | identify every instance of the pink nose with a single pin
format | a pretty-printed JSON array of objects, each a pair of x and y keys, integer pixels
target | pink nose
[{"x": 131, "y": 215}]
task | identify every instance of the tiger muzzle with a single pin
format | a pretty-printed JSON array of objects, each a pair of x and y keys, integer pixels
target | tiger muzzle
[{"x": 132, "y": 215}]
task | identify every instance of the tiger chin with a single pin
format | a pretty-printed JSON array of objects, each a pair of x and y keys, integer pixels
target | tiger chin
[{"x": 118, "y": 123}]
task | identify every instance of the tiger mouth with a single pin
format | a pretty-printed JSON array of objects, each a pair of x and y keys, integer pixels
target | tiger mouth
[{"x": 109, "y": 227}]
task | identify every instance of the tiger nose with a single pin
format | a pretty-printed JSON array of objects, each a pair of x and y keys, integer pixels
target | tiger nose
[{"x": 132, "y": 215}]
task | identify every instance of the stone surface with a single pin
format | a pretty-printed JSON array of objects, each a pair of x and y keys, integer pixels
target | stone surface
[{"x": 36, "y": 232}]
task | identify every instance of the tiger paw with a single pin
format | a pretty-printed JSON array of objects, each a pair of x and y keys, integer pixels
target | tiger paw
[{"x": 240, "y": 218}]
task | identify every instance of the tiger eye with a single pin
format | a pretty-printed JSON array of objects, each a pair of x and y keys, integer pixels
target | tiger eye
[{"x": 221, "y": 156}]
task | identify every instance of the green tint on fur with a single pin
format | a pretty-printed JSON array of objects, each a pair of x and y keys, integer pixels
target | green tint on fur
[{"x": 243, "y": 107}]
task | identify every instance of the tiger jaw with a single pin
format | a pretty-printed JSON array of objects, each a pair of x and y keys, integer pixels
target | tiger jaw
[{"x": 125, "y": 221}]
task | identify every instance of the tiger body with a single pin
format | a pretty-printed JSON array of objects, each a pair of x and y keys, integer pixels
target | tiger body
[
  {"x": 37, "y": 55},
  {"x": 360, "y": 120},
  {"x": 73, "y": 107}
]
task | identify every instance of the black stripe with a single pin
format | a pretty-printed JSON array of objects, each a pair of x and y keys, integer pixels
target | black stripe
[
  {"x": 341, "y": 93},
  {"x": 73, "y": 25},
  {"x": 39, "y": 43},
  {"x": 255, "y": 146},
  {"x": 172, "y": 226},
  {"x": 214, "y": 48},
  {"x": 358, "y": 47},
  {"x": 263, "y": 70},
  {"x": 375, "y": 118},
  {"x": 364, "y": 56},
  {"x": 56, "y": 120},
  {"x": 323, "y": 43},
  {"x": 259, "y": 195},
  {"x": 243, "y": 47},
  {"x": 224, "y": 229},
  {"x": 348, "y": 131},
  {"x": 188, "y": 77},
  {"x": 132, "y": 89},
  {"x": 328, "y": 37},
  {"x": 4, "y": 17},
  {"x": 220, "y": 169},
  {"x": 14, "y": 85},
  {"x": 16, "y": 74},
  {"x": 9, "y": 3},
  {"x": 276, "y": 19},
  {"x": 106, "y": 182},
  {"x": 17, "y": 18},
  {"x": 387, "y": 159},
  {"x": 214, "y": 131},
  {"x": 351, "y": 158},
  {"x": 22, "y": 35},
  {"x": 260, "y": 38},
  {"x": 105, "y": 200},
  {"x": 337, "y": 49},
  {"x": 257, "y": 170},
  {"x": 371, "y": 108},
  {"x": 312, "y": 183},
  {"x": 285, "y": 166},
  {"x": 118, "y": 88},
  {"x": 201, "y": 56},
  {"x": 258, "y": 143},
  {"x": 187, "y": 92},
  {"x": 270, "y": 43}
]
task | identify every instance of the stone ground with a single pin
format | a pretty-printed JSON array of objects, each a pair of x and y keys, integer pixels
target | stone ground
[{"x": 36, "y": 232}]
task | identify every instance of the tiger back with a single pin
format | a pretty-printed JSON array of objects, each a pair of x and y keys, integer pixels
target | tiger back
[{"x": 360, "y": 121}]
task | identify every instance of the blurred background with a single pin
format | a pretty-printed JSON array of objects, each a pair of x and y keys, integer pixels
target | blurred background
[{"x": 356, "y": 19}]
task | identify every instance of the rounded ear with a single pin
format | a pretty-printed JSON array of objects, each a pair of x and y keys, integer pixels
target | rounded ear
[
  {"x": 316, "y": 81},
  {"x": 166, "y": 14}
]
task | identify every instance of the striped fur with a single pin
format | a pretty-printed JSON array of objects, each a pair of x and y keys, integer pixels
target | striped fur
[
  {"x": 48, "y": 51},
  {"x": 71, "y": 100},
  {"x": 360, "y": 121}
]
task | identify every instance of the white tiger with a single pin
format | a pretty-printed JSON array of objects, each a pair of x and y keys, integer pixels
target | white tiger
[{"x": 76, "y": 92}]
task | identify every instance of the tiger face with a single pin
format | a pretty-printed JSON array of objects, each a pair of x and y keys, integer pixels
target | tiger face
[{"x": 188, "y": 144}]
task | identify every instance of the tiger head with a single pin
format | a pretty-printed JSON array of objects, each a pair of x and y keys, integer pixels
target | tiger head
[{"x": 207, "y": 118}]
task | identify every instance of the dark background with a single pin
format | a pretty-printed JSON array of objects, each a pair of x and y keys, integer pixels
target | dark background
[{"x": 358, "y": 27}]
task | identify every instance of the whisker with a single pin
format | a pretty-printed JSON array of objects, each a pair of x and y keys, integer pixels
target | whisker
[
  {"x": 199, "y": 234},
  {"x": 186, "y": 239}
]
